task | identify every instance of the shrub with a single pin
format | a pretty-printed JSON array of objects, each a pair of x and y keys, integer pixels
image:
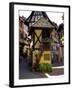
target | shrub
[{"x": 44, "y": 67}]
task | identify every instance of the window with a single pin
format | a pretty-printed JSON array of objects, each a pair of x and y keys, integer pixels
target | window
[
  {"x": 45, "y": 35},
  {"x": 46, "y": 56}
]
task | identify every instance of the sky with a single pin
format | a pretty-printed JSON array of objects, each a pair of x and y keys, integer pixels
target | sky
[{"x": 53, "y": 16}]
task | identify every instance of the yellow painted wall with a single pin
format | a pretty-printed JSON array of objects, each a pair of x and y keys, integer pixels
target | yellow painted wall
[
  {"x": 48, "y": 53},
  {"x": 42, "y": 60}
]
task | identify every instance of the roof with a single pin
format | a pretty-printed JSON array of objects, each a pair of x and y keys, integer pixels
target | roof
[
  {"x": 42, "y": 23},
  {"x": 61, "y": 27},
  {"x": 39, "y": 19}
]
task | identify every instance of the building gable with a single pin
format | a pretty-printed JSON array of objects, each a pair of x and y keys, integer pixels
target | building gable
[{"x": 43, "y": 23}]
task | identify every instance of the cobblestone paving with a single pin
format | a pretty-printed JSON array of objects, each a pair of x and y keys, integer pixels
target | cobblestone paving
[{"x": 25, "y": 71}]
